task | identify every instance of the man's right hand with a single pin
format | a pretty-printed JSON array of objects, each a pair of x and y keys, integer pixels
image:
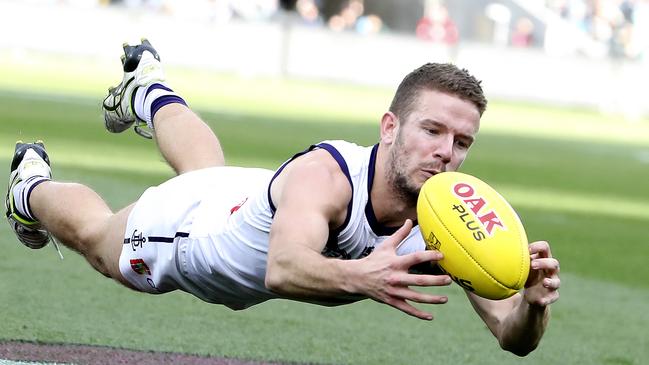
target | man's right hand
[{"x": 384, "y": 276}]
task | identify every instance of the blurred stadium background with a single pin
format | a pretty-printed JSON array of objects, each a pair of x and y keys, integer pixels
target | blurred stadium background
[
  {"x": 565, "y": 139},
  {"x": 576, "y": 43}
]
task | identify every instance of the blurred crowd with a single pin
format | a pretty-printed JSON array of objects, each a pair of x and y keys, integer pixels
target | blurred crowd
[
  {"x": 623, "y": 25},
  {"x": 350, "y": 15}
]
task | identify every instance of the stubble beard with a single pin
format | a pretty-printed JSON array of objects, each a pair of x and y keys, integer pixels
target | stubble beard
[{"x": 398, "y": 178}]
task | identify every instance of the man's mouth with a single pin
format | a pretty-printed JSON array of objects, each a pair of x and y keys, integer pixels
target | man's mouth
[{"x": 431, "y": 172}]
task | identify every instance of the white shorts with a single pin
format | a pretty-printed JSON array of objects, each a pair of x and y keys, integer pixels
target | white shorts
[{"x": 192, "y": 206}]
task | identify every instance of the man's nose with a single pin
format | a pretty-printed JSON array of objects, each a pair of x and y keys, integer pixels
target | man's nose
[{"x": 444, "y": 149}]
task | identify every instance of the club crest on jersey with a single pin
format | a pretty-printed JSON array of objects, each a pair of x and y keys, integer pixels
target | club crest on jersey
[{"x": 488, "y": 218}]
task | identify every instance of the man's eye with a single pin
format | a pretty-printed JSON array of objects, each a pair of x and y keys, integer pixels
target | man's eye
[{"x": 433, "y": 131}]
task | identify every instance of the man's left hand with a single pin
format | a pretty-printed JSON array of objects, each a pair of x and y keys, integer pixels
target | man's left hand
[{"x": 542, "y": 286}]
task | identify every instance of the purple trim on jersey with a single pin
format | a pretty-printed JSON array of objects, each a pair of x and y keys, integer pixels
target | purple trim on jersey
[
  {"x": 164, "y": 100},
  {"x": 333, "y": 235},
  {"x": 377, "y": 228},
  {"x": 279, "y": 170},
  {"x": 332, "y": 241}
]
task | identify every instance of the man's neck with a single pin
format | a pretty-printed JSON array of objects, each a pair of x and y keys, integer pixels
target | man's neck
[{"x": 390, "y": 208}]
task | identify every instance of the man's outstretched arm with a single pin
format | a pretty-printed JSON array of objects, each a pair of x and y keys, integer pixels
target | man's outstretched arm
[
  {"x": 311, "y": 197},
  {"x": 519, "y": 322}
]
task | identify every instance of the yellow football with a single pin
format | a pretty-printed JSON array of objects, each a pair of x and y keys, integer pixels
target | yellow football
[{"x": 481, "y": 236}]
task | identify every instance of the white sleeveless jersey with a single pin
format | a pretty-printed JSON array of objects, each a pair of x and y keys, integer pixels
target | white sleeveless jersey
[{"x": 227, "y": 264}]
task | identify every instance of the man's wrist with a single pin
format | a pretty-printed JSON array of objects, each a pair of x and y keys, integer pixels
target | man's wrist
[
  {"x": 348, "y": 270},
  {"x": 533, "y": 308}
]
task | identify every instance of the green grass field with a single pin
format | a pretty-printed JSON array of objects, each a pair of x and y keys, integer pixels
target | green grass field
[{"x": 578, "y": 179}]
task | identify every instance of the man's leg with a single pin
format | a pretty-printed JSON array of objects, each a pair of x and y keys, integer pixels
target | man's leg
[
  {"x": 81, "y": 220},
  {"x": 75, "y": 214},
  {"x": 184, "y": 140},
  {"x": 142, "y": 97}
]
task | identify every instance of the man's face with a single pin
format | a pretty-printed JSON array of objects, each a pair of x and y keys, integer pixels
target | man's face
[{"x": 435, "y": 138}]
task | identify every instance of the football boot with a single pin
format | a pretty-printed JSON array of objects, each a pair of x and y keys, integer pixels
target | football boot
[
  {"x": 30, "y": 161},
  {"x": 141, "y": 65}
]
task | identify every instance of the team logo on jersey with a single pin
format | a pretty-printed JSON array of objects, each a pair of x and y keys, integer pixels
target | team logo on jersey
[{"x": 140, "y": 267}]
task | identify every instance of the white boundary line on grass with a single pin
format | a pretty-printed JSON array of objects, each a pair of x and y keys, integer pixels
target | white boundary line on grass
[{"x": 11, "y": 362}]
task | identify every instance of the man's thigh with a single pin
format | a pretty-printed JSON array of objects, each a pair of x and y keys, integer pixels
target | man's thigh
[
  {"x": 140, "y": 246},
  {"x": 148, "y": 231}
]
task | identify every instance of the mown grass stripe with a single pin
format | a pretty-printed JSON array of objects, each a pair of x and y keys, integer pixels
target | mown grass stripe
[{"x": 576, "y": 203}]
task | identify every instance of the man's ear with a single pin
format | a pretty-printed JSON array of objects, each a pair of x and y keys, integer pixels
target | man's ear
[{"x": 389, "y": 127}]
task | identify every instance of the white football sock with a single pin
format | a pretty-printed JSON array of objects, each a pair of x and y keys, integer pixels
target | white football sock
[
  {"x": 147, "y": 100},
  {"x": 21, "y": 193}
]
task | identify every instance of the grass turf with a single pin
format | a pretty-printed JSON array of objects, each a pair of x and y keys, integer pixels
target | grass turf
[{"x": 583, "y": 193}]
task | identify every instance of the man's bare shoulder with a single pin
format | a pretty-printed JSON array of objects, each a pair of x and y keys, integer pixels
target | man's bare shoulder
[{"x": 314, "y": 176}]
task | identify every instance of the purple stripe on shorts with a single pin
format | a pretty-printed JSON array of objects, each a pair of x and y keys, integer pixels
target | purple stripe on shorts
[{"x": 167, "y": 239}]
